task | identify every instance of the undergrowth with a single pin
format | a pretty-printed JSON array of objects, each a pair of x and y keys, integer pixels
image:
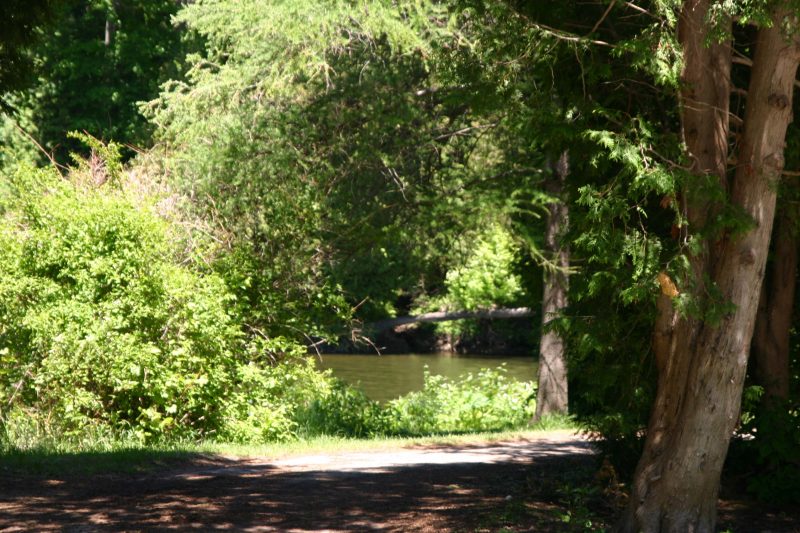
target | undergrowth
[{"x": 266, "y": 409}]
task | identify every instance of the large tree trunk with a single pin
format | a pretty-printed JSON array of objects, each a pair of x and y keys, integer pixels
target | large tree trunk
[
  {"x": 702, "y": 360},
  {"x": 770, "y": 345},
  {"x": 552, "y": 396}
]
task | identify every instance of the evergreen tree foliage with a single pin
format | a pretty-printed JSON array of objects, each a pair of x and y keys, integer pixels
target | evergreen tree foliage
[{"x": 316, "y": 139}]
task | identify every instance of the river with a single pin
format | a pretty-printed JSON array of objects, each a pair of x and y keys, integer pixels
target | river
[{"x": 385, "y": 377}]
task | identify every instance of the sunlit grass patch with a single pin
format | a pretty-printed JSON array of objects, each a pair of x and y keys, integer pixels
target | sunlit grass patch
[
  {"x": 336, "y": 444},
  {"x": 554, "y": 422},
  {"x": 122, "y": 457}
]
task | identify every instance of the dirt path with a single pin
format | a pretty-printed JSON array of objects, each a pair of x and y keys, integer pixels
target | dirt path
[
  {"x": 523, "y": 451},
  {"x": 441, "y": 488}
]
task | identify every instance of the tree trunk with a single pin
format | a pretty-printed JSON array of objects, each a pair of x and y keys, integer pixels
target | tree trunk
[
  {"x": 111, "y": 28},
  {"x": 770, "y": 345},
  {"x": 111, "y": 24},
  {"x": 702, "y": 361},
  {"x": 552, "y": 396}
]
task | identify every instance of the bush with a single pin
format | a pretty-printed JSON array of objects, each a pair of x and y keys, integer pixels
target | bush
[
  {"x": 485, "y": 401},
  {"x": 346, "y": 412},
  {"x": 769, "y": 454},
  {"x": 270, "y": 402},
  {"x": 487, "y": 277},
  {"x": 98, "y": 324},
  {"x": 776, "y": 454}
]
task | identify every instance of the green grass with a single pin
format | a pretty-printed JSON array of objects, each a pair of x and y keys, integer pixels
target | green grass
[
  {"x": 556, "y": 422},
  {"x": 48, "y": 462},
  {"x": 124, "y": 458}
]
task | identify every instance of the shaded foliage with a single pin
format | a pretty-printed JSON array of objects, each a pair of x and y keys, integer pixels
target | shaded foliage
[
  {"x": 21, "y": 25},
  {"x": 93, "y": 68}
]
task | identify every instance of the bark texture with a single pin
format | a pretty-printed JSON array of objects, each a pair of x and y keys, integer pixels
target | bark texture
[
  {"x": 552, "y": 396},
  {"x": 770, "y": 347},
  {"x": 702, "y": 363}
]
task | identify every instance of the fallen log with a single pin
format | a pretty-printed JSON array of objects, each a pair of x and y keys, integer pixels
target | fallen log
[{"x": 445, "y": 316}]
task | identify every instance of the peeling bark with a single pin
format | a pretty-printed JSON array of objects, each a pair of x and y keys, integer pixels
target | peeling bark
[{"x": 702, "y": 365}]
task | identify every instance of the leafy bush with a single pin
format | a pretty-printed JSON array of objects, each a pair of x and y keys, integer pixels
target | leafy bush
[
  {"x": 291, "y": 400},
  {"x": 345, "y": 411},
  {"x": 268, "y": 403},
  {"x": 776, "y": 454},
  {"x": 769, "y": 455},
  {"x": 98, "y": 325},
  {"x": 485, "y": 401},
  {"x": 485, "y": 274}
]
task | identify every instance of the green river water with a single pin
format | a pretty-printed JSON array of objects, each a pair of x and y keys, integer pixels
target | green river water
[{"x": 385, "y": 377}]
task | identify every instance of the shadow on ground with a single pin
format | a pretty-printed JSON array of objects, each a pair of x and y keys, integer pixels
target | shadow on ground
[
  {"x": 429, "y": 497},
  {"x": 493, "y": 487}
]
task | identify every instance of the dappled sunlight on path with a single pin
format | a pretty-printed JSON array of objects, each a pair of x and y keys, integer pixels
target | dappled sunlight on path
[
  {"x": 427, "y": 488},
  {"x": 522, "y": 451}
]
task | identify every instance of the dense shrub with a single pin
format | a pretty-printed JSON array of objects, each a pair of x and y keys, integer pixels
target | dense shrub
[
  {"x": 485, "y": 401},
  {"x": 269, "y": 402},
  {"x": 766, "y": 452},
  {"x": 776, "y": 454},
  {"x": 485, "y": 273},
  {"x": 345, "y": 411},
  {"x": 486, "y": 278},
  {"x": 98, "y": 324}
]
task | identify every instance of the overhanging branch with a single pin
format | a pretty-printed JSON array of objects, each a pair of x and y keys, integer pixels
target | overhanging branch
[{"x": 446, "y": 316}]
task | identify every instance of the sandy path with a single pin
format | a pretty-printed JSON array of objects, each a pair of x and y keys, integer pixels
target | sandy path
[{"x": 546, "y": 444}]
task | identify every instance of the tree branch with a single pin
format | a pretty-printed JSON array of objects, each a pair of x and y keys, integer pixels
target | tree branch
[
  {"x": 602, "y": 18},
  {"x": 446, "y": 316},
  {"x": 639, "y": 9},
  {"x": 47, "y": 154}
]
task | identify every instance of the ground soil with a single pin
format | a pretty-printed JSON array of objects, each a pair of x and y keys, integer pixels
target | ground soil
[{"x": 532, "y": 484}]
